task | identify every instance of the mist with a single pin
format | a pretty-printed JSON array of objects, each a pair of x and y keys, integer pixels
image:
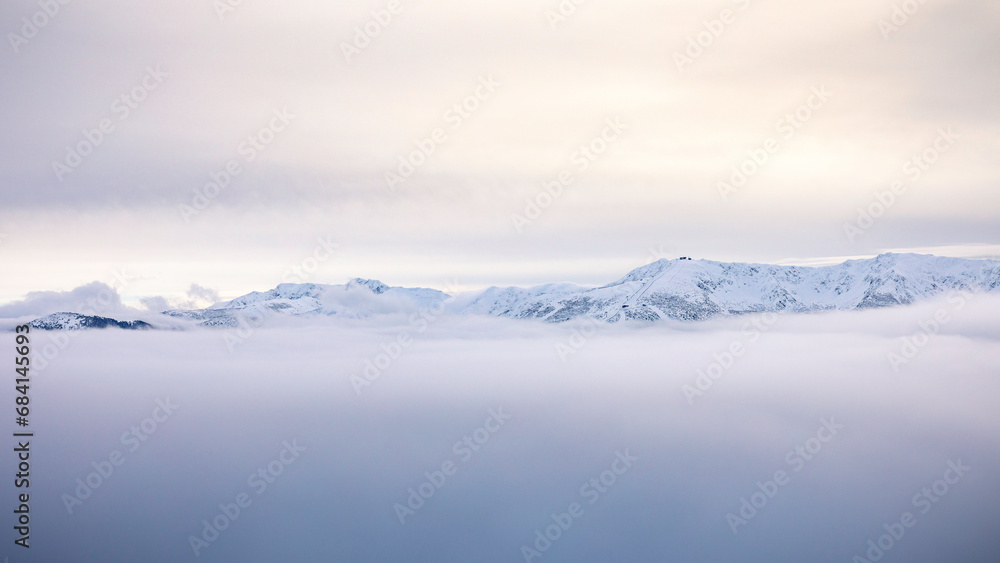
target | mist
[{"x": 469, "y": 439}]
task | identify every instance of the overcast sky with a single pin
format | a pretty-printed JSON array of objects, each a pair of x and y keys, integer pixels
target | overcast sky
[{"x": 338, "y": 110}]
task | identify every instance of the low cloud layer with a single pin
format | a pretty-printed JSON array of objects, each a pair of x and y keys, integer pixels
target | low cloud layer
[{"x": 859, "y": 442}]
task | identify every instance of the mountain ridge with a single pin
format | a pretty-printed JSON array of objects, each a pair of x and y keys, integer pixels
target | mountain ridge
[
  {"x": 76, "y": 321},
  {"x": 679, "y": 289}
]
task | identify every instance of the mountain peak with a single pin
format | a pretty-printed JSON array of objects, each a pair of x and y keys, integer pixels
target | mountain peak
[{"x": 374, "y": 286}]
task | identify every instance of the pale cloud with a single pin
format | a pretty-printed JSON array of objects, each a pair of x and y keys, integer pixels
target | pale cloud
[{"x": 95, "y": 298}]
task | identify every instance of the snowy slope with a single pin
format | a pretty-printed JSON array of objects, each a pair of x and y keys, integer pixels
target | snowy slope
[
  {"x": 674, "y": 289},
  {"x": 74, "y": 321},
  {"x": 681, "y": 289},
  {"x": 699, "y": 289},
  {"x": 357, "y": 299}
]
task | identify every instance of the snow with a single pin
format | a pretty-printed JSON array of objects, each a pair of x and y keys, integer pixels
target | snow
[
  {"x": 75, "y": 321},
  {"x": 676, "y": 289}
]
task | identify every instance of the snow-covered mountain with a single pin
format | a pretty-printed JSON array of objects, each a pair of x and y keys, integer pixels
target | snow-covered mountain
[
  {"x": 75, "y": 321},
  {"x": 681, "y": 289},
  {"x": 686, "y": 289},
  {"x": 357, "y": 299}
]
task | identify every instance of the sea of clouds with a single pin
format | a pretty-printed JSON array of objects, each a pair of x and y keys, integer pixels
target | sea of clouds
[{"x": 844, "y": 436}]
